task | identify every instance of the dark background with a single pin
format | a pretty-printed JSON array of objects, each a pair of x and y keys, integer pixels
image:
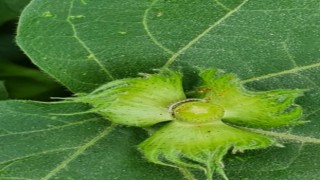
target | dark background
[{"x": 21, "y": 78}]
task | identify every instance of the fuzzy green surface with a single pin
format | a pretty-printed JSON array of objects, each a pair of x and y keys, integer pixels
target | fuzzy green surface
[
  {"x": 199, "y": 146},
  {"x": 137, "y": 101},
  {"x": 254, "y": 109},
  {"x": 197, "y": 136}
]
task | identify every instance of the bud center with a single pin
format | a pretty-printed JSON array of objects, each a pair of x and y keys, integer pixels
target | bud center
[{"x": 198, "y": 112}]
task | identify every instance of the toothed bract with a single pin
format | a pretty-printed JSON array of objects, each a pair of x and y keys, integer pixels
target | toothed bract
[
  {"x": 201, "y": 129},
  {"x": 139, "y": 101}
]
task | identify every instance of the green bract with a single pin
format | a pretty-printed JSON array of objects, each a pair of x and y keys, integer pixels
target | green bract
[
  {"x": 202, "y": 128},
  {"x": 137, "y": 101},
  {"x": 254, "y": 109}
]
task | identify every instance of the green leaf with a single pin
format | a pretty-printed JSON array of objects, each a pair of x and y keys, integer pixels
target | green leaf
[
  {"x": 3, "y": 91},
  {"x": 38, "y": 141},
  {"x": 85, "y": 43},
  {"x": 269, "y": 44},
  {"x": 81, "y": 59}
]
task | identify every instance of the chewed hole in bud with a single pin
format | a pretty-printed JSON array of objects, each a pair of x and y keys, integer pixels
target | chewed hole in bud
[{"x": 196, "y": 111}]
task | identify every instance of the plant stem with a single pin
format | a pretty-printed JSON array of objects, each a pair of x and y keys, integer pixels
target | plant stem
[{"x": 186, "y": 173}]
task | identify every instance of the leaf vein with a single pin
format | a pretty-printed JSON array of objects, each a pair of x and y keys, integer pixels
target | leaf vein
[
  {"x": 286, "y": 136},
  {"x": 222, "y": 5},
  {"x": 83, "y": 44},
  {"x": 276, "y": 74},
  {"x": 174, "y": 57},
  {"x": 313, "y": 112},
  {"x": 289, "y": 55},
  {"x": 146, "y": 28},
  {"x": 77, "y": 153},
  {"x": 309, "y": 80},
  {"x": 292, "y": 160},
  {"x": 65, "y": 74},
  {"x": 12, "y": 161},
  {"x": 50, "y": 129},
  {"x": 279, "y": 10}
]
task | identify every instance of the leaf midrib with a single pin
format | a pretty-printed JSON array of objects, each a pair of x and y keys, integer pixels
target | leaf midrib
[
  {"x": 91, "y": 54},
  {"x": 51, "y": 129},
  {"x": 276, "y": 74},
  {"x": 79, "y": 152},
  {"x": 286, "y": 136},
  {"x": 174, "y": 57}
]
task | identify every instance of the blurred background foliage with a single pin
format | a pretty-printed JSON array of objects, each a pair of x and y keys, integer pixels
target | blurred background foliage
[{"x": 19, "y": 78}]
